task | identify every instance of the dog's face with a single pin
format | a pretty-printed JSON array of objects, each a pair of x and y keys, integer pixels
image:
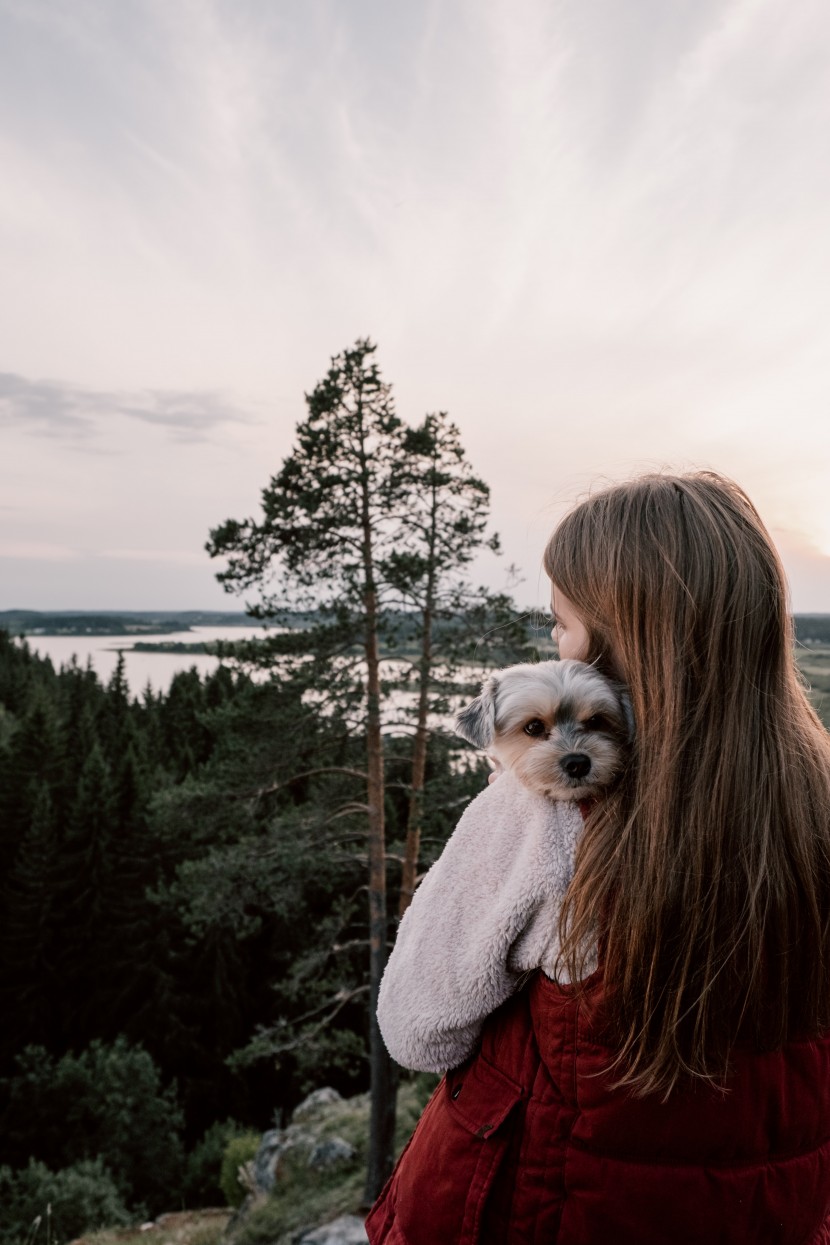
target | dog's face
[{"x": 562, "y": 727}]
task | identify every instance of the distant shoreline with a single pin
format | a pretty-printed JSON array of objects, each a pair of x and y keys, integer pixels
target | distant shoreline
[{"x": 129, "y": 623}]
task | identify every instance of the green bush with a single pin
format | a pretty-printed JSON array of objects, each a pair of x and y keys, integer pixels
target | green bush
[
  {"x": 107, "y": 1101},
  {"x": 239, "y": 1150},
  {"x": 39, "y": 1205},
  {"x": 202, "y": 1184}
]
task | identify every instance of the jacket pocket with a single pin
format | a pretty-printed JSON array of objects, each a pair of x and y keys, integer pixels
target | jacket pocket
[{"x": 439, "y": 1189}]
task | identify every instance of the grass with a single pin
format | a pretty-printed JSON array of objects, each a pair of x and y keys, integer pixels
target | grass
[{"x": 187, "y": 1227}]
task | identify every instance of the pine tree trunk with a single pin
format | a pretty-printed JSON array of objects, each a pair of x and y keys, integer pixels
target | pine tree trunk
[
  {"x": 382, "y": 1074},
  {"x": 409, "y": 872},
  {"x": 382, "y": 1079}
]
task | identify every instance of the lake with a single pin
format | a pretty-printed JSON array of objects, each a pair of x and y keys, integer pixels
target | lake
[{"x": 157, "y": 669}]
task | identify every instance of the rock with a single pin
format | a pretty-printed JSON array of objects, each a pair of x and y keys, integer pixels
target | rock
[
  {"x": 274, "y": 1144},
  {"x": 330, "y": 1152},
  {"x": 347, "y": 1230},
  {"x": 267, "y": 1157},
  {"x": 315, "y": 1103},
  {"x": 309, "y": 1142}
]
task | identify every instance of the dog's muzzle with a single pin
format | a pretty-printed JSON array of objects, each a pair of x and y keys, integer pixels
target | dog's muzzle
[{"x": 576, "y": 764}]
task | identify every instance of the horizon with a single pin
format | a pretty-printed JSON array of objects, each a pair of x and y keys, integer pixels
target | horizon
[{"x": 259, "y": 622}]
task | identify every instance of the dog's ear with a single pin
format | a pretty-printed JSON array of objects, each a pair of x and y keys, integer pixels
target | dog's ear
[
  {"x": 477, "y": 723},
  {"x": 628, "y": 712}
]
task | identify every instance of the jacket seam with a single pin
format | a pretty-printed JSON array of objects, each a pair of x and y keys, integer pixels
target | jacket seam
[
  {"x": 527, "y": 1101},
  {"x": 762, "y": 1160}
]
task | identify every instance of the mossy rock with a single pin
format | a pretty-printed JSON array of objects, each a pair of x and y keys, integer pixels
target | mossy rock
[{"x": 306, "y": 1196}]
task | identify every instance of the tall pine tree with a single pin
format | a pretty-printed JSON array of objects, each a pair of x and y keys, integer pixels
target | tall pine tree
[{"x": 331, "y": 516}]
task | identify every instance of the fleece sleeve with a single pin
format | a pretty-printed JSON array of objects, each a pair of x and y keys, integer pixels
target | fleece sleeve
[{"x": 486, "y": 912}]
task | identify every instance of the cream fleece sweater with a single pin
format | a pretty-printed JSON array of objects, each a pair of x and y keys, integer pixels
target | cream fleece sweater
[{"x": 486, "y": 913}]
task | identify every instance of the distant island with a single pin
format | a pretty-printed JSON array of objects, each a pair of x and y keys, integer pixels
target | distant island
[
  {"x": 812, "y": 628},
  {"x": 124, "y": 622}
]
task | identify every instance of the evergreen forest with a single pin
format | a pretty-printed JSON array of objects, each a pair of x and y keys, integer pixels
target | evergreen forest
[
  {"x": 184, "y": 944},
  {"x": 201, "y": 886}
]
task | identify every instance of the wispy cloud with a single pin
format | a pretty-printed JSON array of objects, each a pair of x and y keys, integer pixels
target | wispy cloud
[
  {"x": 37, "y": 551},
  {"x": 50, "y": 408},
  {"x": 42, "y": 407}
]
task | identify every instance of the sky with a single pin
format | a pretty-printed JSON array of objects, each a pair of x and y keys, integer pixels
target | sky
[{"x": 594, "y": 232}]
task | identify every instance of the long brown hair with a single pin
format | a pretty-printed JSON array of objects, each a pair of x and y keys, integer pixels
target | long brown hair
[{"x": 706, "y": 873}]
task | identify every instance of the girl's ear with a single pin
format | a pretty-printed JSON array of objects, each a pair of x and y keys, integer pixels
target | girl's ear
[{"x": 477, "y": 723}]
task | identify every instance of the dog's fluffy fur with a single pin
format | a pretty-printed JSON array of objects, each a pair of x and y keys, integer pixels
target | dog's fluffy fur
[{"x": 560, "y": 726}]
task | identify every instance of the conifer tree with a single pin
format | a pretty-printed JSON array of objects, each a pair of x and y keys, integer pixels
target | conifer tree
[
  {"x": 130, "y": 918},
  {"x": 115, "y": 731},
  {"x": 33, "y": 760},
  {"x": 331, "y": 516},
  {"x": 29, "y": 980},
  {"x": 367, "y": 526},
  {"x": 185, "y": 740},
  {"x": 87, "y": 899},
  {"x": 443, "y": 526}
]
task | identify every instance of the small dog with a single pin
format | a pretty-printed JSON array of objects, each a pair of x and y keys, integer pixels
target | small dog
[{"x": 561, "y": 726}]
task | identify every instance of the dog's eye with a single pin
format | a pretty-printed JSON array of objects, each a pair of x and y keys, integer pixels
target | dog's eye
[
  {"x": 535, "y": 727},
  {"x": 597, "y": 722}
]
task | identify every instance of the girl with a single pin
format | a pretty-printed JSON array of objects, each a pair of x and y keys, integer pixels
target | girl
[{"x": 680, "y": 1091}]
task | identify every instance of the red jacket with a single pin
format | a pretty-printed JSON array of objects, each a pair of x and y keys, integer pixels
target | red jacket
[{"x": 526, "y": 1144}]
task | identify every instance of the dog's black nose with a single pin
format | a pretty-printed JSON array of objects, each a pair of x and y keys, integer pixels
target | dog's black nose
[{"x": 576, "y": 764}]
